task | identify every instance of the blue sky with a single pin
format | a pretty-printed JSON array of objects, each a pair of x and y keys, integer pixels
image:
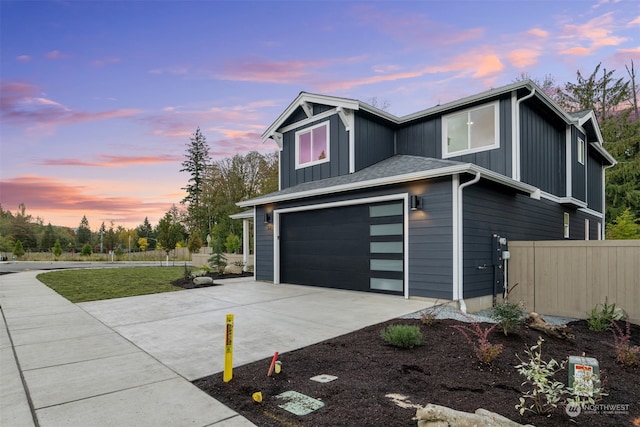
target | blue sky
[{"x": 99, "y": 98}]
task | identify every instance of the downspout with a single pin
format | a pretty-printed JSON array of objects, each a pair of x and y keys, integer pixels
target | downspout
[
  {"x": 460, "y": 284},
  {"x": 517, "y": 131}
]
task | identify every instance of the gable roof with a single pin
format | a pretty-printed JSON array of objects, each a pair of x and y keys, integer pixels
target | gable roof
[
  {"x": 304, "y": 99},
  {"x": 394, "y": 170}
]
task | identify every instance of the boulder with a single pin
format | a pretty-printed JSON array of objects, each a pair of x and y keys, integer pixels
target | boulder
[
  {"x": 203, "y": 280},
  {"x": 441, "y": 416}
]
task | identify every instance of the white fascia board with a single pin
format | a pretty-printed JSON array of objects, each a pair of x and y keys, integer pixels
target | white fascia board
[
  {"x": 563, "y": 200},
  {"x": 592, "y": 212},
  {"x": 309, "y": 98},
  {"x": 243, "y": 215},
  {"x": 397, "y": 179},
  {"x": 591, "y": 116},
  {"x": 604, "y": 153}
]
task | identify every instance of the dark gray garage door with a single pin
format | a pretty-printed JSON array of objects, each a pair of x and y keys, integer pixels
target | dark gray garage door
[{"x": 354, "y": 247}]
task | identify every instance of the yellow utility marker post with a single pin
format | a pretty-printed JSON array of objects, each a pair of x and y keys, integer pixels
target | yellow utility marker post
[{"x": 228, "y": 350}]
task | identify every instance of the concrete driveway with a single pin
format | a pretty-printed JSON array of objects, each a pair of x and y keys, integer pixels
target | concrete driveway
[{"x": 185, "y": 330}]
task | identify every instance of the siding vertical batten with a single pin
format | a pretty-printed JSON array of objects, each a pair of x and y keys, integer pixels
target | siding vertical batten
[
  {"x": 568, "y": 145},
  {"x": 518, "y": 132}
]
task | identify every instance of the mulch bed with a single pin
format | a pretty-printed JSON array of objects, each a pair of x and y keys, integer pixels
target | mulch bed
[
  {"x": 188, "y": 283},
  {"x": 443, "y": 371}
]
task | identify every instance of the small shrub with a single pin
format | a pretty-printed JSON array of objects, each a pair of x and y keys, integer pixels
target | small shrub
[
  {"x": 509, "y": 315},
  {"x": 402, "y": 336},
  {"x": 86, "y": 250},
  {"x": 429, "y": 316},
  {"x": 546, "y": 393},
  {"x": 218, "y": 261},
  {"x": 483, "y": 349},
  {"x": 599, "y": 320},
  {"x": 626, "y": 354}
]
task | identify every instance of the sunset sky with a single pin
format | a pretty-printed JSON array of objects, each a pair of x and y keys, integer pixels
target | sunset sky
[{"x": 99, "y": 98}]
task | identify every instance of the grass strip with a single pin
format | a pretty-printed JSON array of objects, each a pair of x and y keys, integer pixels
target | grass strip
[{"x": 105, "y": 283}]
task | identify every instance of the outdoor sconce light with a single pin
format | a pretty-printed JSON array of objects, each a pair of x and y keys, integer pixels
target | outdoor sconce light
[
  {"x": 415, "y": 203},
  {"x": 267, "y": 218}
]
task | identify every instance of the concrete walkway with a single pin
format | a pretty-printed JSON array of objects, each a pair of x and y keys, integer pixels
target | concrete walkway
[{"x": 128, "y": 361}]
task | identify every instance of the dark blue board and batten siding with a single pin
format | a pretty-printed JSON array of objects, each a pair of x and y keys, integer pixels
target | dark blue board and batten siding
[
  {"x": 578, "y": 170},
  {"x": 542, "y": 152},
  {"x": 594, "y": 182},
  {"x": 424, "y": 138},
  {"x": 337, "y": 165},
  {"x": 490, "y": 210},
  {"x": 430, "y": 231},
  {"x": 374, "y": 141}
]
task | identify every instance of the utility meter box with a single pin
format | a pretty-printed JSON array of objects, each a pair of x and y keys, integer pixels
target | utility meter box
[{"x": 584, "y": 375}]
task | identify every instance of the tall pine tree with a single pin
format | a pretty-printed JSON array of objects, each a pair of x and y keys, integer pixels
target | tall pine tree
[{"x": 196, "y": 162}]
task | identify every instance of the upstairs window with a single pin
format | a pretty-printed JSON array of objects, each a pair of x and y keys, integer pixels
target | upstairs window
[
  {"x": 312, "y": 145},
  {"x": 581, "y": 151},
  {"x": 470, "y": 131}
]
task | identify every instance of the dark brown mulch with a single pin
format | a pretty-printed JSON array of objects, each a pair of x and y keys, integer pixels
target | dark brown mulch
[
  {"x": 188, "y": 283},
  {"x": 443, "y": 371}
]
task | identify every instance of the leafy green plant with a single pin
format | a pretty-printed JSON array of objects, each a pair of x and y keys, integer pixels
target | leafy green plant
[
  {"x": 18, "y": 249},
  {"x": 626, "y": 354},
  {"x": 402, "y": 336},
  {"x": 483, "y": 349},
  {"x": 86, "y": 250},
  {"x": 217, "y": 260},
  {"x": 599, "y": 319},
  {"x": 509, "y": 315},
  {"x": 546, "y": 393},
  {"x": 57, "y": 249}
]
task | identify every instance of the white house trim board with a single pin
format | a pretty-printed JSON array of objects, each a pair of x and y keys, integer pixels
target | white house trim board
[
  {"x": 515, "y": 141},
  {"x": 305, "y": 122},
  {"x": 366, "y": 200},
  {"x": 533, "y": 192},
  {"x": 567, "y": 148},
  {"x": 455, "y": 183}
]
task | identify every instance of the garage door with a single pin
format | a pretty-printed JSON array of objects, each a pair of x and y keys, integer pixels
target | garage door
[{"x": 354, "y": 247}]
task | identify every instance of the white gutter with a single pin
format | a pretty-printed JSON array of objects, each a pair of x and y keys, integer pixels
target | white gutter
[
  {"x": 460, "y": 254},
  {"x": 516, "y": 125}
]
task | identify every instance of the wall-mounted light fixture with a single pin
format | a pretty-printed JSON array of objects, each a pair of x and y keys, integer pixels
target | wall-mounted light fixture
[
  {"x": 267, "y": 218},
  {"x": 415, "y": 203}
]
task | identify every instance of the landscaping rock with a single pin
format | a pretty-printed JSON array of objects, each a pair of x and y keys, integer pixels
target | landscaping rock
[
  {"x": 441, "y": 416},
  {"x": 204, "y": 280}
]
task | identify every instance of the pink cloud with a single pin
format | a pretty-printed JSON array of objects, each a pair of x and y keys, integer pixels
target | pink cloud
[
  {"x": 112, "y": 161},
  {"x": 24, "y": 58},
  {"x": 476, "y": 65},
  {"x": 105, "y": 61},
  {"x": 585, "y": 39},
  {"x": 634, "y": 22},
  {"x": 269, "y": 71},
  {"x": 21, "y": 104},
  {"x": 56, "y": 54},
  {"x": 414, "y": 29},
  {"x": 537, "y": 32},
  {"x": 52, "y": 199},
  {"x": 240, "y": 143},
  {"x": 624, "y": 56},
  {"x": 522, "y": 58}
]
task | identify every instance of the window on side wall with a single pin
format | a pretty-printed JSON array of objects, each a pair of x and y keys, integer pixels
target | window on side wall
[
  {"x": 312, "y": 145},
  {"x": 566, "y": 225},
  {"x": 471, "y": 131},
  {"x": 581, "y": 151}
]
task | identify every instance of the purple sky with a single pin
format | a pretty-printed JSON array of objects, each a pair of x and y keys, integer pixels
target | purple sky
[{"x": 99, "y": 98}]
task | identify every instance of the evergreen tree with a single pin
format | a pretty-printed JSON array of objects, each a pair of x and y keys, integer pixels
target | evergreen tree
[
  {"x": 170, "y": 232},
  {"x": 624, "y": 226},
  {"x": 83, "y": 235},
  {"x": 196, "y": 162},
  {"x": 146, "y": 231},
  {"x": 18, "y": 249},
  {"x": 57, "y": 249},
  {"x": 48, "y": 237}
]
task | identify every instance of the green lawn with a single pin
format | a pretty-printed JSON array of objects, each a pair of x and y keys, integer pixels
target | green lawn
[{"x": 105, "y": 283}]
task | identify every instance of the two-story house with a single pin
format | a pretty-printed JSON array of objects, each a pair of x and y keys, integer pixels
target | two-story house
[{"x": 425, "y": 204}]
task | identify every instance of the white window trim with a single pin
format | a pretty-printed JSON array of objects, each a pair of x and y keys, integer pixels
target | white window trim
[
  {"x": 496, "y": 124},
  {"x": 297, "y": 149},
  {"x": 566, "y": 218},
  {"x": 582, "y": 151}
]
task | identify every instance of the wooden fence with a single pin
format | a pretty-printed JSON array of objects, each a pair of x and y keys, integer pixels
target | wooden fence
[{"x": 568, "y": 278}]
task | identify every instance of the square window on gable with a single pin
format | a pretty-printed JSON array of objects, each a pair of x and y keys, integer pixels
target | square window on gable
[
  {"x": 471, "y": 131},
  {"x": 312, "y": 145}
]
